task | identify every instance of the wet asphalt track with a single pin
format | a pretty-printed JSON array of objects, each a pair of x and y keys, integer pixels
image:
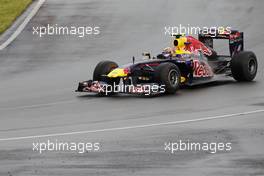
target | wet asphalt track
[{"x": 38, "y": 76}]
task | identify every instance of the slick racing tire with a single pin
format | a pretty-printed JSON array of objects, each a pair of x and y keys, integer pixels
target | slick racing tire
[
  {"x": 169, "y": 76},
  {"x": 244, "y": 66},
  {"x": 101, "y": 70}
]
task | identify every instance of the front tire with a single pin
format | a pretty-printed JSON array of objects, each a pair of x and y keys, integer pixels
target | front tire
[
  {"x": 244, "y": 66},
  {"x": 102, "y": 69},
  {"x": 100, "y": 72},
  {"x": 168, "y": 75}
]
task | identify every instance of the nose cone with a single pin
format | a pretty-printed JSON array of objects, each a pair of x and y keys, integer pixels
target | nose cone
[{"x": 118, "y": 72}]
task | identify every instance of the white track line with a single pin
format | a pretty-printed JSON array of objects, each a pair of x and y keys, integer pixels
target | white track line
[
  {"x": 23, "y": 25},
  {"x": 135, "y": 127}
]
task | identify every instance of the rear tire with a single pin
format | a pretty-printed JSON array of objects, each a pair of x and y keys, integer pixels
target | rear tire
[
  {"x": 169, "y": 75},
  {"x": 244, "y": 66}
]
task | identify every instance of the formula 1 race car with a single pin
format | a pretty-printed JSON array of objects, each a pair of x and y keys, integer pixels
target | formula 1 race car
[{"x": 190, "y": 61}]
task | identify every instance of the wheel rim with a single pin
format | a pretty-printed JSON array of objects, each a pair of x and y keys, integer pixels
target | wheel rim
[
  {"x": 173, "y": 77},
  {"x": 252, "y": 66}
]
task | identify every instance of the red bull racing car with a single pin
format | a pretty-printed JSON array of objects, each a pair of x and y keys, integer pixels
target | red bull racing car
[{"x": 190, "y": 61}]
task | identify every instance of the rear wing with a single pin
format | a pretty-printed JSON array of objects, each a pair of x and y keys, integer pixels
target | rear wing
[{"x": 236, "y": 39}]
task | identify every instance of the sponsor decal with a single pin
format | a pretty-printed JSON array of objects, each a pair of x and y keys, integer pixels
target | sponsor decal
[{"x": 201, "y": 69}]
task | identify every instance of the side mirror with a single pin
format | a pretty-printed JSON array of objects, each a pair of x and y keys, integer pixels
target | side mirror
[{"x": 146, "y": 54}]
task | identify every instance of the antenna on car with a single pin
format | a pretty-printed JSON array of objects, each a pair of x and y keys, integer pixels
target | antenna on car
[{"x": 133, "y": 59}]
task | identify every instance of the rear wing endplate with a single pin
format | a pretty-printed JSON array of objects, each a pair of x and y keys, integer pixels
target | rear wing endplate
[{"x": 236, "y": 39}]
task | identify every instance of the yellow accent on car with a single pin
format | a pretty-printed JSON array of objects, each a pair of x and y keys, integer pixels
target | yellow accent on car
[
  {"x": 182, "y": 51},
  {"x": 181, "y": 41},
  {"x": 180, "y": 48},
  {"x": 118, "y": 72},
  {"x": 183, "y": 79}
]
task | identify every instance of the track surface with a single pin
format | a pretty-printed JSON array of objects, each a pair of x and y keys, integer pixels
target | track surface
[{"x": 38, "y": 76}]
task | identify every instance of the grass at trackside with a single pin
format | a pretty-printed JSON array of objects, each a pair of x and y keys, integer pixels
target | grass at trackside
[{"x": 10, "y": 10}]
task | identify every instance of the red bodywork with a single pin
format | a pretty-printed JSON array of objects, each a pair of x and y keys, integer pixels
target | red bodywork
[{"x": 194, "y": 45}]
